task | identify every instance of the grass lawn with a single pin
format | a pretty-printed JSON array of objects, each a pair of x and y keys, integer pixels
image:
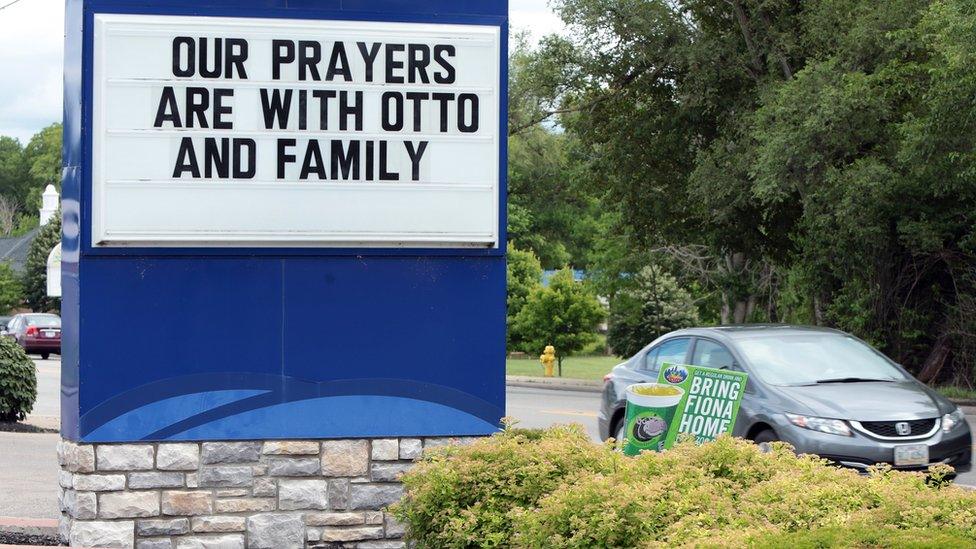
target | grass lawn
[
  {"x": 576, "y": 367},
  {"x": 962, "y": 393}
]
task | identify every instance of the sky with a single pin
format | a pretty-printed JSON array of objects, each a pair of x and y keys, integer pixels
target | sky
[{"x": 32, "y": 49}]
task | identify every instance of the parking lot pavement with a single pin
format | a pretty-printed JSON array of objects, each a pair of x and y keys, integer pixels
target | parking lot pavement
[
  {"x": 29, "y": 475},
  {"x": 544, "y": 407}
]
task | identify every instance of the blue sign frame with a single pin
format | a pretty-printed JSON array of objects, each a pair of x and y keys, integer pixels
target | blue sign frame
[{"x": 256, "y": 343}]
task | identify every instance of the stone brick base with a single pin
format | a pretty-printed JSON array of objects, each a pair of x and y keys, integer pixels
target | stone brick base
[{"x": 229, "y": 495}]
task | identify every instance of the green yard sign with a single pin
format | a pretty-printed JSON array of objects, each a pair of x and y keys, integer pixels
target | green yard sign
[{"x": 686, "y": 399}]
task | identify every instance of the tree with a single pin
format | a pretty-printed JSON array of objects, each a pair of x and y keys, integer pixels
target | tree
[
  {"x": 524, "y": 275},
  {"x": 552, "y": 209},
  {"x": 43, "y": 154},
  {"x": 565, "y": 314},
  {"x": 653, "y": 306},
  {"x": 35, "y": 269},
  {"x": 803, "y": 161},
  {"x": 11, "y": 291},
  {"x": 15, "y": 178}
]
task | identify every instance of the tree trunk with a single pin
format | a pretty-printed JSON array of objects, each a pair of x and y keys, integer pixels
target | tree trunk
[
  {"x": 933, "y": 364},
  {"x": 559, "y": 362}
]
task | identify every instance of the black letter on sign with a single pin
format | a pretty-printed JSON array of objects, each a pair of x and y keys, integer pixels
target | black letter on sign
[
  {"x": 345, "y": 110},
  {"x": 417, "y": 98},
  {"x": 473, "y": 99},
  {"x": 186, "y": 159},
  {"x": 346, "y": 161},
  {"x": 217, "y": 61},
  {"x": 191, "y": 56},
  {"x": 385, "y": 175},
  {"x": 338, "y": 58},
  {"x": 323, "y": 96},
  {"x": 392, "y": 65},
  {"x": 282, "y": 51},
  {"x": 236, "y": 55},
  {"x": 397, "y": 123},
  {"x": 168, "y": 110},
  {"x": 239, "y": 146},
  {"x": 283, "y": 156},
  {"x": 313, "y": 161},
  {"x": 369, "y": 57},
  {"x": 309, "y": 55},
  {"x": 448, "y": 76},
  {"x": 275, "y": 108},
  {"x": 214, "y": 158},
  {"x": 220, "y": 109},
  {"x": 415, "y": 156},
  {"x": 197, "y": 103},
  {"x": 443, "y": 98},
  {"x": 417, "y": 64}
]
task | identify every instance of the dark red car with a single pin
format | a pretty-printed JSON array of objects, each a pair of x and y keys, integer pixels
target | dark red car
[{"x": 38, "y": 333}]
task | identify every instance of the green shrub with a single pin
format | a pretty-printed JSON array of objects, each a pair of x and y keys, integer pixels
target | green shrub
[
  {"x": 18, "y": 381},
  {"x": 555, "y": 488}
]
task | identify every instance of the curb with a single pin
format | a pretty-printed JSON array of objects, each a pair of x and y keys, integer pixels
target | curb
[
  {"x": 555, "y": 383},
  {"x": 26, "y": 525}
]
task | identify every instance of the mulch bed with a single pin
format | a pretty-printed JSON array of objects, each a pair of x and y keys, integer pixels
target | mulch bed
[{"x": 14, "y": 538}]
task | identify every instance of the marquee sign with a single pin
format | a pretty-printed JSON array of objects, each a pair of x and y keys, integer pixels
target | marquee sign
[
  {"x": 283, "y": 219},
  {"x": 216, "y": 131}
]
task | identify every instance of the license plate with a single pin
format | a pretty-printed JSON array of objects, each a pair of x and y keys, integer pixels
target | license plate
[
  {"x": 49, "y": 333},
  {"x": 911, "y": 454}
]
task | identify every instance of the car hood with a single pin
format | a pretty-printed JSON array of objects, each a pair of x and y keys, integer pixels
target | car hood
[{"x": 865, "y": 401}]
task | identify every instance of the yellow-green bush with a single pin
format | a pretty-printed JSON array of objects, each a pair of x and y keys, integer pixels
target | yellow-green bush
[{"x": 555, "y": 488}]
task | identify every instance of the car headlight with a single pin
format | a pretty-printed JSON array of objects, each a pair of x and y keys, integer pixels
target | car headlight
[
  {"x": 823, "y": 425},
  {"x": 951, "y": 420}
]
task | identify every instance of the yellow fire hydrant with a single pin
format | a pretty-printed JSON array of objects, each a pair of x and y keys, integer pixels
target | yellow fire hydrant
[{"x": 548, "y": 359}]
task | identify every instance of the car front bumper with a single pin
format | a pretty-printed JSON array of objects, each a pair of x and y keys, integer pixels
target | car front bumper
[{"x": 859, "y": 451}]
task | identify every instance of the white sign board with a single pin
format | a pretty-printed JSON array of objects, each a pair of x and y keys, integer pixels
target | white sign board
[{"x": 215, "y": 131}]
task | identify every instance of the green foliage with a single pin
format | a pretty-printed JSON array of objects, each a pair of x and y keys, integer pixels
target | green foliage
[
  {"x": 43, "y": 156},
  {"x": 18, "y": 381},
  {"x": 524, "y": 275},
  {"x": 554, "y": 488},
  {"x": 653, "y": 306},
  {"x": 552, "y": 209},
  {"x": 565, "y": 314},
  {"x": 15, "y": 179},
  {"x": 790, "y": 161},
  {"x": 35, "y": 268},
  {"x": 11, "y": 291}
]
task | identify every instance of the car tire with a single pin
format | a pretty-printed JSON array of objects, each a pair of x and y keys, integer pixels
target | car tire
[
  {"x": 620, "y": 434},
  {"x": 45, "y": 356},
  {"x": 763, "y": 438}
]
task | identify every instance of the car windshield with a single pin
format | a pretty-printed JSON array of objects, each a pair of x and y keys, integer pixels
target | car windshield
[
  {"x": 815, "y": 358},
  {"x": 44, "y": 321}
]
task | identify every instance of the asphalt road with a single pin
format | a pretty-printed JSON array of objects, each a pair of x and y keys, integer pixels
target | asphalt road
[{"x": 29, "y": 467}]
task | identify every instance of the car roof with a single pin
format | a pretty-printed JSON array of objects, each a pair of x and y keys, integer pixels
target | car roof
[{"x": 740, "y": 331}]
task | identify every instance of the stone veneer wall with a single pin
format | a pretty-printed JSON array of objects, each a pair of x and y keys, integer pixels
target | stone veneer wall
[{"x": 228, "y": 495}]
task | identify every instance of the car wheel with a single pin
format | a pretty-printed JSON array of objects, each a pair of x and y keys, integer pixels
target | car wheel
[
  {"x": 45, "y": 356},
  {"x": 764, "y": 438},
  {"x": 620, "y": 434}
]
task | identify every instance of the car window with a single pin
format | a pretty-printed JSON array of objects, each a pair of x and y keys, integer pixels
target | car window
[
  {"x": 711, "y": 355},
  {"x": 672, "y": 351},
  {"x": 647, "y": 363},
  {"x": 44, "y": 321},
  {"x": 815, "y": 357}
]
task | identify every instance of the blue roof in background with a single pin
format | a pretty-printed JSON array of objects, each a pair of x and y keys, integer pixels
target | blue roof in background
[{"x": 578, "y": 276}]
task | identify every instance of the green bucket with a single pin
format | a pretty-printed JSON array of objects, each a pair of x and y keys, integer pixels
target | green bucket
[{"x": 649, "y": 416}]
